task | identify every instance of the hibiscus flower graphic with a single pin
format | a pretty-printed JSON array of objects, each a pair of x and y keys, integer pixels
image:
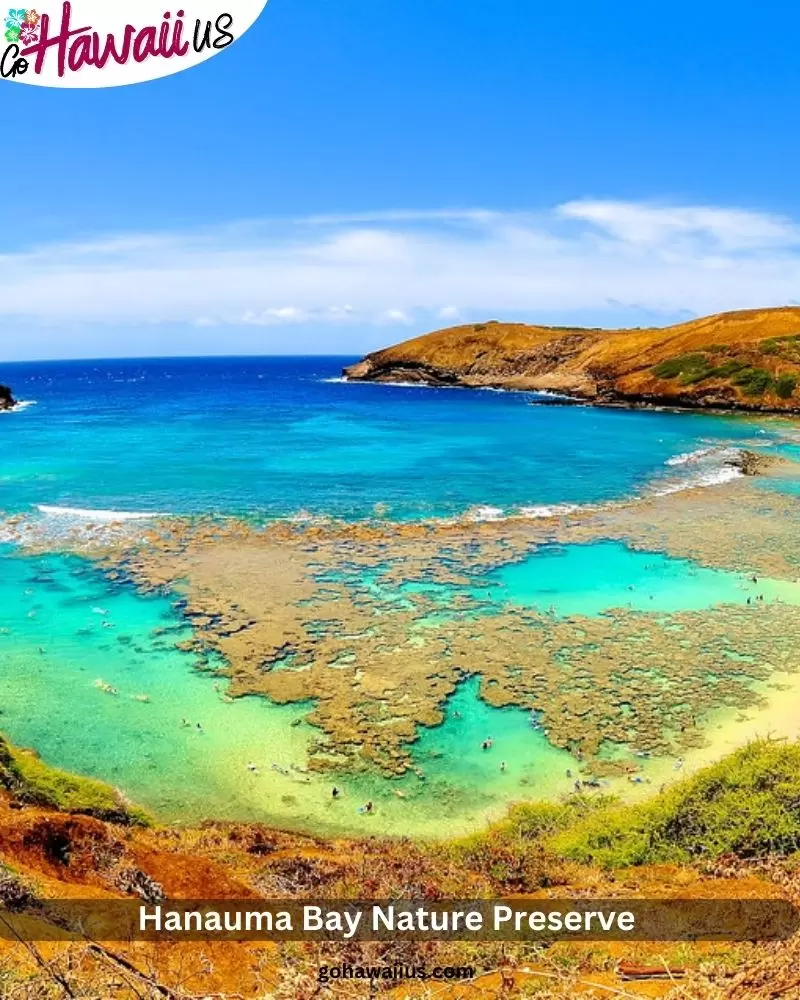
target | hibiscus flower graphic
[
  {"x": 15, "y": 19},
  {"x": 32, "y": 18},
  {"x": 28, "y": 35},
  {"x": 12, "y": 35}
]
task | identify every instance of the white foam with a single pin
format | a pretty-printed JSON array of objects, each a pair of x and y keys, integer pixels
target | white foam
[
  {"x": 484, "y": 513},
  {"x": 21, "y": 404},
  {"x": 400, "y": 384},
  {"x": 305, "y": 517},
  {"x": 712, "y": 477},
  {"x": 97, "y": 515},
  {"x": 551, "y": 510},
  {"x": 414, "y": 385},
  {"x": 688, "y": 457},
  {"x": 554, "y": 395},
  {"x": 397, "y": 384}
]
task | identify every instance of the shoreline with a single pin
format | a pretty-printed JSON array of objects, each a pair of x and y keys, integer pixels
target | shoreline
[
  {"x": 741, "y": 461},
  {"x": 550, "y": 396}
]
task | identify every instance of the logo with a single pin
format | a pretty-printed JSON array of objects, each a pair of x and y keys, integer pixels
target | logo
[{"x": 94, "y": 43}]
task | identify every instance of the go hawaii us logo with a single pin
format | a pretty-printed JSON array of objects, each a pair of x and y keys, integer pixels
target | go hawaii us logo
[{"x": 94, "y": 43}]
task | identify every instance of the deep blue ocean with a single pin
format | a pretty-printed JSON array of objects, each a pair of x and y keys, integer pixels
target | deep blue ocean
[{"x": 275, "y": 437}]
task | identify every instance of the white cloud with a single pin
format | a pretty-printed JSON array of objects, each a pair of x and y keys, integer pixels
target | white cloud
[
  {"x": 654, "y": 225},
  {"x": 273, "y": 317},
  {"x": 396, "y": 316},
  {"x": 589, "y": 259}
]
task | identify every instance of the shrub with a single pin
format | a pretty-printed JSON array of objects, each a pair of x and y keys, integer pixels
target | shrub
[
  {"x": 785, "y": 386},
  {"x": 728, "y": 368},
  {"x": 747, "y": 804},
  {"x": 695, "y": 375},
  {"x": 686, "y": 364},
  {"x": 753, "y": 381},
  {"x": 514, "y": 853}
]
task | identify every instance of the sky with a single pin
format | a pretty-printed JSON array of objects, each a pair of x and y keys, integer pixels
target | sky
[{"x": 351, "y": 173}]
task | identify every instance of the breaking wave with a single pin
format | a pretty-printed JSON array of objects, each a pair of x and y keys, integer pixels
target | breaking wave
[
  {"x": 708, "y": 466},
  {"x": 21, "y": 404},
  {"x": 710, "y": 477},
  {"x": 106, "y": 516},
  {"x": 703, "y": 467},
  {"x": 689, "y": 457}
]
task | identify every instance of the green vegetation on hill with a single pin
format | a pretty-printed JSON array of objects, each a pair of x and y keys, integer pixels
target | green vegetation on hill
[
  {"x": 32, "y": 781},
  {"x": 747, "y": 804},
  {"x": 742, "y": 371}
]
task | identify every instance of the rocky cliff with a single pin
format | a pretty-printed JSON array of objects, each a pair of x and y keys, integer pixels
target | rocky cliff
[
  {"x": 7, "y": 401},
  {"x": 737, "y": 360}
]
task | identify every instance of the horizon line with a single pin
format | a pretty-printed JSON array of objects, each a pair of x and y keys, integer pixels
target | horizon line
[{"x": 169, "y": 357}]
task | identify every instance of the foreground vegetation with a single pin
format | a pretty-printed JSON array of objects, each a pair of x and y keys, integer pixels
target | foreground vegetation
[
  {"x": 738, "y": 820},
  {"x": 31, "y": 781}
]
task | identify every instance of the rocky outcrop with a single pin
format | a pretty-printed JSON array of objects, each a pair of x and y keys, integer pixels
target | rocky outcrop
[
  {"x": 739, "y": 360},
  {"x": 751, "y": 463},
  {"x": 7, "y": 401}
]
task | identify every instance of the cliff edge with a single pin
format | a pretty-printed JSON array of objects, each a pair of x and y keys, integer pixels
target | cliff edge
[
  {"x": 748, "y": 359},
  {"x": 7, "y": 401}
]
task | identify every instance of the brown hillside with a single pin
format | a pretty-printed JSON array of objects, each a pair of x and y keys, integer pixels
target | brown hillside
[
  {"x": 748, "y": 360},
  {"x": 49, "y": 855}
]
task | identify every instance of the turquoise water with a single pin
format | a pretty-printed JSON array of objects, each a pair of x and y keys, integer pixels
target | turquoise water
[
  {"x": 272, "y": 437},
  {"x": 68, "y": 635},
  {"x": 66, "y": 630},
  {"x": 89, "y": 672},
  {"x": 589, "y": 579}
]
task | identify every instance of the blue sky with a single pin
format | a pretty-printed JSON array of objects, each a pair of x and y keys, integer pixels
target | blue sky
[{"x": 354, "y": 172}]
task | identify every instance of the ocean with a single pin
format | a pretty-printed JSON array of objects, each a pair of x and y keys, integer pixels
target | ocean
[
  {"x": 275, "y": 437},
  {"x": 267, "y": 438}
]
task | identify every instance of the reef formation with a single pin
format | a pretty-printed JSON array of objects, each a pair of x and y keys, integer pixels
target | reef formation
[{"x": 375, "y": 624}]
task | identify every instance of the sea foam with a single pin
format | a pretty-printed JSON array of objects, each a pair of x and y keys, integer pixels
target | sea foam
[
  {"x": 97, "y": 515},
  {"x": 689, "y": 457},
  {"x": 21, "y": 404}
]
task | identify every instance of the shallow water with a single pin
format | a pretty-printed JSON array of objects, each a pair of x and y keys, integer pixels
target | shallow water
[
  {"x": 57, "y": 646},
  {"x": 66, "y": 629},
  {"x": 590, "y": 579}
]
